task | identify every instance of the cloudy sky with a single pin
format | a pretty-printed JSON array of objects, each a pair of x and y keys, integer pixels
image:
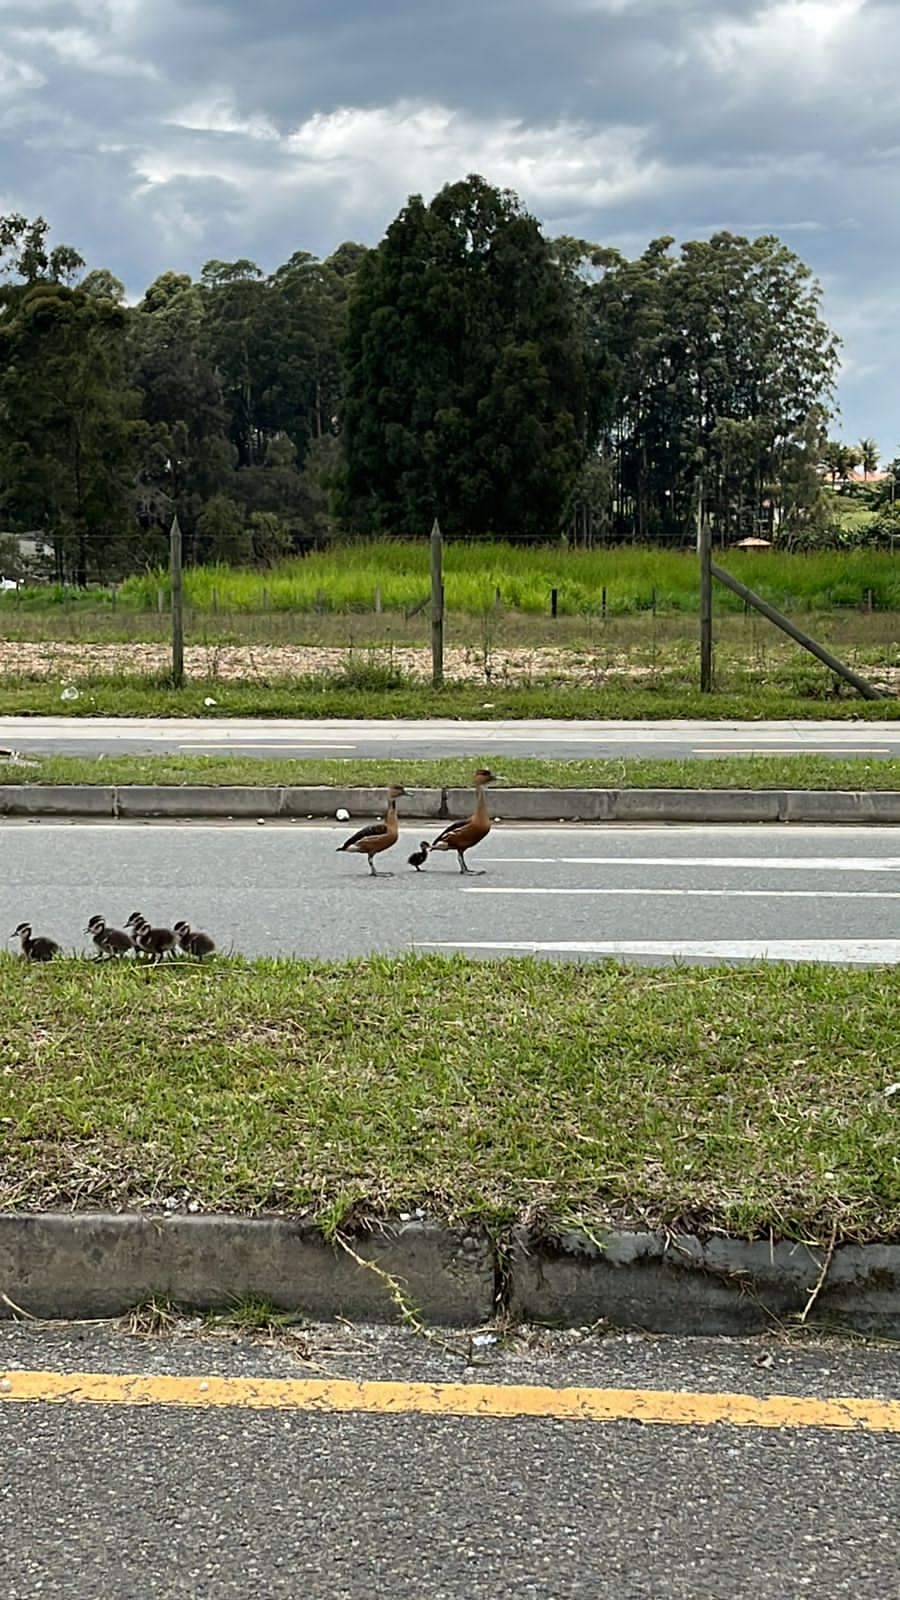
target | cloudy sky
[{"x": 161, "y": 133}]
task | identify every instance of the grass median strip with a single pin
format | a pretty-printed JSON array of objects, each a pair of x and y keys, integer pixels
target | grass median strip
[
  {"x": 731, "y": 772},
  {"x": 753, "y": 1100},
  {"x": 385, "y": 693}
]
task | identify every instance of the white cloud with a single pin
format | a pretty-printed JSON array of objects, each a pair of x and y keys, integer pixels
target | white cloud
[
  {"x": 76, "y": 47},
  {"x": 219, "y": 116},
  {"x": 17, "y": 77},
  {"x": 369, "y": 160},
  {"x": 806, "y": 42}
]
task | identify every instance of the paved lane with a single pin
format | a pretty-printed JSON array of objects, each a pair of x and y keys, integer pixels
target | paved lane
[
  {"x": 234, "y": 1502},
  {"x": 647, "y": 893},
  {"x": 550, "y": 739}
]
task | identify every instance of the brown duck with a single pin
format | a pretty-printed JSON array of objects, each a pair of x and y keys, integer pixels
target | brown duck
[
  {"x": 378, "y": 836},
  {"x": 463, "y": 836}
]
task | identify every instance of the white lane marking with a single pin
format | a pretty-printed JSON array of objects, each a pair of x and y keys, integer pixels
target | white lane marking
[
  {"x": 756, "y": 863},
  {"x": 834, "y": 952},
  {"x": 649, "y": 892},
  {"x": 261, "y": 744},
  {"x": 774, "y": 750}
]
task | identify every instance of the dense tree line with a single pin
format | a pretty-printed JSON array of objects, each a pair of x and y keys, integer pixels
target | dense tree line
[{"x": 468, "y": 367}]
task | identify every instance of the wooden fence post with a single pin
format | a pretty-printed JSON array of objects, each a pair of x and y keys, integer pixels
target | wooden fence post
[
  {"x": 437, "y": 605},
  {"x": 177, "y": 604}
]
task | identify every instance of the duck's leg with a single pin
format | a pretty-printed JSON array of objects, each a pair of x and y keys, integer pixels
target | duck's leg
[{"x": 470, "y": 871}]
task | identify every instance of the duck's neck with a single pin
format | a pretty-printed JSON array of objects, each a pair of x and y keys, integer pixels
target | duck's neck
[{"x": 481, "y": 801}]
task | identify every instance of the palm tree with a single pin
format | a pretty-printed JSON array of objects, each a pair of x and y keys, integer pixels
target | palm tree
[
  {"x": 868, "y": 455},
  {"x": 839, "y": 460}
]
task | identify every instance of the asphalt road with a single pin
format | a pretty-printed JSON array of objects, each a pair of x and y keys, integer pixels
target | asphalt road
[
  {"x": 566, "y": 892},
  {"x": 234, "y": 1503},
  {"x": 83, "y": 736}
]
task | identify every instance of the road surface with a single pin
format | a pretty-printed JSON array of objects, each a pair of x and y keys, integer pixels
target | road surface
[
  {"x": 164, "y": 1501},
  {"x": 565, "y": 892},
  {"x": 79, "y": 736}
]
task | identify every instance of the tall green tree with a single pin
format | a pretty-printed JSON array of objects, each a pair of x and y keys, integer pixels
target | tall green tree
[
  {"x": 25, "y": 252},
  {"x": 67, "y": 423},
  {"x": 186, "y": 455},
  {"x": 724, "y": 361},
  {"x": 465, "y": 390}
]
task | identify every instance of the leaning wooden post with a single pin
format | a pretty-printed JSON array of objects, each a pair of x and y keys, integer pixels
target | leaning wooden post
[
  {"x": 177, "y": 604},
  {"x": 437, "y": 605},
  {"x": 704, "y": 553},
  {"x": 866, "y": 689}
]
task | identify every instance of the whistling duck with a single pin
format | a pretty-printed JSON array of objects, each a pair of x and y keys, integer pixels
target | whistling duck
[
  {"x": 378, "y": 836},
  {"x": 192, "y": 941},
  {"x": 149, "y": 941},
  {"x": 462, "y": 836},
  {"x": 37, "y": 948},
  {"x": 420, "y": 856},
  {"x": 109, "y": 942}
]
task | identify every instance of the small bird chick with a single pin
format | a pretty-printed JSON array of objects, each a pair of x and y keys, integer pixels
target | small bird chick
[
  {"x": 149, "y": 941},
  {"x": 420, "y": 856},
  {"x": 193, "y": 941},
  {"x": 36, "y": 948},
  {"x": 109, "y": 942}
]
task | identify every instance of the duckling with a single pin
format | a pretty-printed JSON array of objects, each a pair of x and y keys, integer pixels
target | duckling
[
  {"x": 37, "y": 948},
  {"x": 420, "y": 856},
  {"x": 378, "y": 836},
  {"x": 193, "y": 941},
  {"x": 158, "y": 942},
  {"x": 110, "y": 942},
  {"x": 462, "y": 836}
]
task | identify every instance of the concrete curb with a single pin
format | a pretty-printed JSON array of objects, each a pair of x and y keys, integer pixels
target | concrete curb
[
  {"x": 57, "y": 1265},
  {"x": 60, "y": 1265},
  {"x": 679, "y": 1284},
  {"x": 509, "y": 805}
]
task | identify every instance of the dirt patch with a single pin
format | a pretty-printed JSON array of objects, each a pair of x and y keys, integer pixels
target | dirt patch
[
  {"x": 233, "y": 663},
  {"x": 238, "y": 663}
]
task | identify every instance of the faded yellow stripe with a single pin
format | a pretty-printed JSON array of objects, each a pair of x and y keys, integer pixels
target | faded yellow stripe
[{"x": 452, "y": 1400}]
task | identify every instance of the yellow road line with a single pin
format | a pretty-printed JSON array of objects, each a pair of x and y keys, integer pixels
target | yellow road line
[{"x": 451, "y": 1400}]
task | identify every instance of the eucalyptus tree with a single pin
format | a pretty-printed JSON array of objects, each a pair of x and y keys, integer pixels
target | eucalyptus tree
[{"x": 465, "y": 392}]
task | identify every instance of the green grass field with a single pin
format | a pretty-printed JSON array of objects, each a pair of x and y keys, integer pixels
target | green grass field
[
  {"x": 345, "y": 579},
  {"x": 751, "y": 1100}
]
